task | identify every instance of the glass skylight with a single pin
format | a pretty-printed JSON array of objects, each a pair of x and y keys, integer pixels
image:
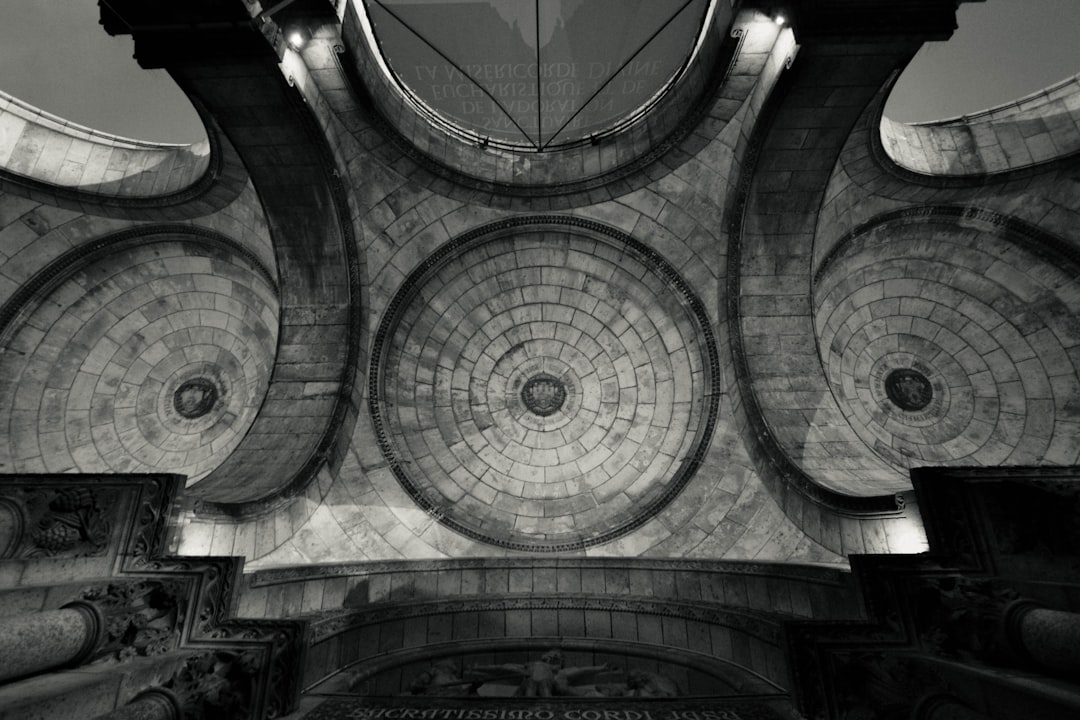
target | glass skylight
[{"x": 536, "y": 73}]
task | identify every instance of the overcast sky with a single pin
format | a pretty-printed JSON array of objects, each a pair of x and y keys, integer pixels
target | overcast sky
[{"x": 54, "y": 54}]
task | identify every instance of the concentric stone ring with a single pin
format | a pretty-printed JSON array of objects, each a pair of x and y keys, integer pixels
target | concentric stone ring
[
  {"x": 155, "y": 357},
  {"x": 544, "y": 388},
  {"x": 954, "y": 351}
]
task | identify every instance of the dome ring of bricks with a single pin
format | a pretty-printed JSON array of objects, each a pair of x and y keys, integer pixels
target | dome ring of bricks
[
  {"x": 167, "y": 341},
  {"x": 544, "y": 384},
  {"x": 951, "y": 345}
]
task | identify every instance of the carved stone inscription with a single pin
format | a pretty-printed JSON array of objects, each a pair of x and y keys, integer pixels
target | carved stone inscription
[{"x": 713, "y": 709}]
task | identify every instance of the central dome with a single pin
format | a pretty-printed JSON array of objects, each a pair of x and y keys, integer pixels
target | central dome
[
  {"x": 544, "y": 389},
  {"x": 536, "y": 73}
]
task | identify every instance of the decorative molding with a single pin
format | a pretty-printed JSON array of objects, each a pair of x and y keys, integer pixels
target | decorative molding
[
  {"x": 221, "y": 683},
  {"x": 960, "y": 617},
  {"x": 766, "y": 707},
  {"x": 153, "y": 602},
  {"x": 784, "y": 571},
  {"x": 594, "y": 230},
  {"x": 68, "y": 522},
  {"x": 142, "y": 618},
  {"x": 97, "y": 515}
]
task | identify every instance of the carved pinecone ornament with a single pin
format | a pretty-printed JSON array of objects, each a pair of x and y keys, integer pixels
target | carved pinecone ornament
[{"x": 54, "y": 536}]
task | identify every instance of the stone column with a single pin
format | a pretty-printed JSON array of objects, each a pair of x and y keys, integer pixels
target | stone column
[
  {"x": 41, "y": 641},
  {"x": 153, "y": 704},
  {"x": 940, "y": 706},
  {"x": 1049, "y": 638}
]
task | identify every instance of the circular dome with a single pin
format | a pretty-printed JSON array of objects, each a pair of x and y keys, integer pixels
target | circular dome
[
  {"x": 153, "y": 358},
  {"x": 542, "y": 387},
  {"x": 952, "y": 346}
]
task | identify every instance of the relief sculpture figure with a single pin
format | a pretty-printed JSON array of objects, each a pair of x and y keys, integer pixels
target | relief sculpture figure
[
  {"x": 544, "y": 678},
  {"x": 642, "y": 683},
  {"x": 442, "y": 679}
]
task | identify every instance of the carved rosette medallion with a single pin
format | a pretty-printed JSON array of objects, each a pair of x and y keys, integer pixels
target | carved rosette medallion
[
  {"x": 543, "y": 394},
  {"x": 908, "y": 389},
  {"x": 195, "y": 398}
]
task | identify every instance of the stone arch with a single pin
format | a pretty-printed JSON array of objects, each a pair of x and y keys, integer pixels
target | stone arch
[
  {"x": 83, "y": 169},
  {"x": 1028, "y": 132}
]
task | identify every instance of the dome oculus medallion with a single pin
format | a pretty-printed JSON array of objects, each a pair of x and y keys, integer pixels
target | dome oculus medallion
[
  {"x": 544, "y": 384},
  {"x": 543, "y": 394},
  {"x": 195, "y": 398},
  {"x": 908, "y": 389}
]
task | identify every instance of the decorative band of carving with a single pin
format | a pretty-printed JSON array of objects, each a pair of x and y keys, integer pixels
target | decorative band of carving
[
  {"x": 722, "y": 668},
  {"x": 410, "y": 289}
]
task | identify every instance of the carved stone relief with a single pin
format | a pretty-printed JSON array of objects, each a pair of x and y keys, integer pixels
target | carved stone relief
[
  {"x": 55, "y": 522},
  {"x": 141, "y": 619}
]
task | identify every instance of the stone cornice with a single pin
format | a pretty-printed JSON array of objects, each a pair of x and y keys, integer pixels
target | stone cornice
[{"x": 820, "y": 575}]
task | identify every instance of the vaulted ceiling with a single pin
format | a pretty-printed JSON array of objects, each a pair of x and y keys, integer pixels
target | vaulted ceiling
[{"x": 722, "y": 322}]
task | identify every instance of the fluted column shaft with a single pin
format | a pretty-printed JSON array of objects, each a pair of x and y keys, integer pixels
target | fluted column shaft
[{"x": 41, "y": 641}]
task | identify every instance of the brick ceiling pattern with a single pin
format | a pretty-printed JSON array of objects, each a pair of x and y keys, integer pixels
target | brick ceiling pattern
[
  {"x": 150, "y": 359},
  {"x": 623, "y": 379},
  {"x": 994, "y": 330}
]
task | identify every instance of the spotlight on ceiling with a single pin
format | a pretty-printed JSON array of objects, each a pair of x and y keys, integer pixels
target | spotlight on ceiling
[
  {"x": 779, "y": 19},
  {"x": 296, "y": 37}
]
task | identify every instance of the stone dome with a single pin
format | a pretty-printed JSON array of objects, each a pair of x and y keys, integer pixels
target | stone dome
[{"x": 544, "y": 387}]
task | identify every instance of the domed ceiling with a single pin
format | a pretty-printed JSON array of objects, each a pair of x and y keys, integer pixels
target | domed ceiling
[
  {"x": 544, "y": 388},
  {"x": 948, "y": 345},
  {"x": 144, "y": 358},
  {"x": 536, "y": 73}
]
